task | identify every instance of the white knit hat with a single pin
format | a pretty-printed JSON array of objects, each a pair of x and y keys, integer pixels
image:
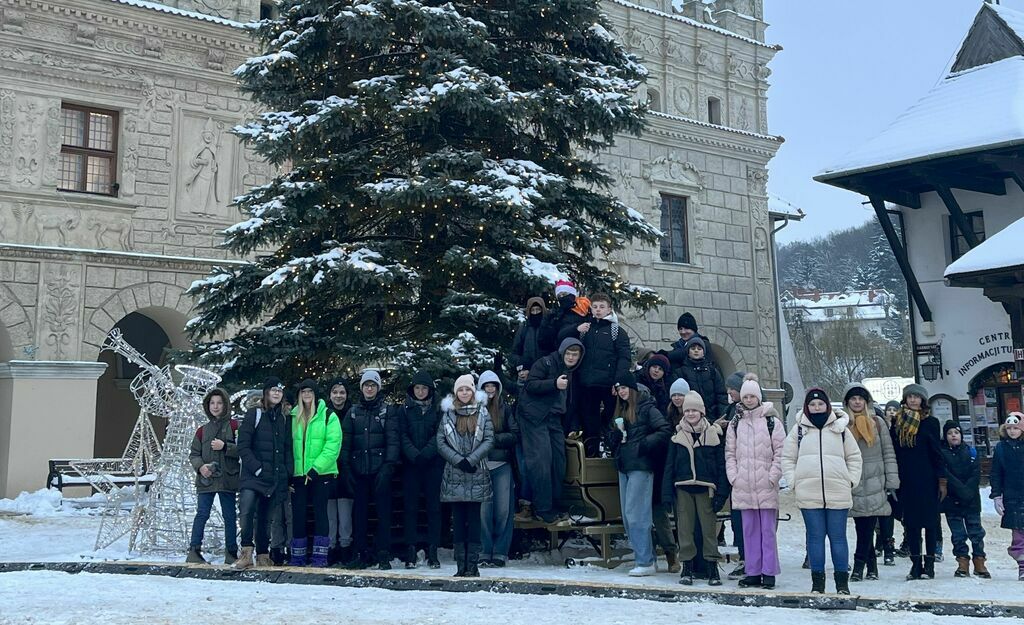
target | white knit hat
[
  {"x": 694, "y": 401},
  {"x": 465, "y": 380},
  {"x": 750, "y": 387}
]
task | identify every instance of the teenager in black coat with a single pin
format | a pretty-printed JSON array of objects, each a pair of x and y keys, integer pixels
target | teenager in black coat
[{"x": 421, "y": 466}]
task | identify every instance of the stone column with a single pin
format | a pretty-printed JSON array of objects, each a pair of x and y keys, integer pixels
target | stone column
[{"x": 47, "y": 410}]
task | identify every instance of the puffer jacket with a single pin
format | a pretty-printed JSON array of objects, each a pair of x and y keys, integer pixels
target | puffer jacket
[
  {"x": 645, "y": 438},
  {"x": 317, "y": 446},
  {"x": 223, "y": 428},
  {"x": 265, "y": 449},
  {"x": 456, "y": 484},
  {"x": 822, "y": 465},
  {"x": 704, "y": 377},
  {"x": 374, "y": 436},
  {"x": 963, "y": 476},
  {"x": 507, "y": 435},
  {"x": 695, "y": 462},
  {"x": 879, "y": 473},
  {"x": 607, "y": 347},
  {"x": 1007, "y": 480},
  {"x": 417, "y": 423},
  {"x": 753, "y": 458},
  {"x": 542, "y": 396}
]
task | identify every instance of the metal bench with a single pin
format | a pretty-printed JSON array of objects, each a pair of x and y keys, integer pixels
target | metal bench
[{"x": 99, "y": 474}]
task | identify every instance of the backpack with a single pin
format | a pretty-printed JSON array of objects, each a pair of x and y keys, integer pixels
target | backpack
[{"x": 770, "y": 418}]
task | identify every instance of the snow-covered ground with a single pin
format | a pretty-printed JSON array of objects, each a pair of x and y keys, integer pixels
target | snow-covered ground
[{"x": 52, "y": 532}]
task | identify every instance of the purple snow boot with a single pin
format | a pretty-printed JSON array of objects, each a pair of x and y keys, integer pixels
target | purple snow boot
[
  {"x": 321, "y": 546},
  {"x": 298, "y": 552}
]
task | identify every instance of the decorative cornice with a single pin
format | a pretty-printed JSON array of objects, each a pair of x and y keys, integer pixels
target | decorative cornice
[
  {"x": 761, "y": 146},
  {"x": 695, "y": 23},
  {"x": 109, "y": 257},
  {"x": 51, "y": 370}
]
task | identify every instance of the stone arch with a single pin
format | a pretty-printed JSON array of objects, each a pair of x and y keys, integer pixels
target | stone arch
[
  {"x": 167, "y": 304},
  {"x": 727, "y": 353},
  {"x": 16, "y": 338}
]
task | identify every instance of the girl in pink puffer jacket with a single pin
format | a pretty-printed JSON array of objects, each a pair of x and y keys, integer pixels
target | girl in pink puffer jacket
[{"x": 753, "y": 464}]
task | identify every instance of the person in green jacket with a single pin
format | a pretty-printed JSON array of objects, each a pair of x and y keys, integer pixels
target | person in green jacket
[{"x": 316, "y": 443}]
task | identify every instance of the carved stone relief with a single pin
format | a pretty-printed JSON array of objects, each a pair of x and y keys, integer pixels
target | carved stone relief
[
  {"x": 757, "y": 182},
  {"x": 12, "y": 20},
  {"x": 708, "y": 60},
  {"x": 208, "y": 160},
  {"x": 109, "y": 234},
  {"x": 29, "y": 127},
  {"x": 673, "y": 169},
  {"x": 7, "y": 122},
  {"x": 54, "y": 138},
  {"x": 85, "y": 33},
  {"x": 741, "y": 118},
  {"x": 58, "y": 325},
  {"x": 682, "y": 98}
]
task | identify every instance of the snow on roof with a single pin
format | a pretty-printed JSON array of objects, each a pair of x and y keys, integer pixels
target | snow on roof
[
  {"x": 163, "y": 8},
  {"x": 977, "y": 109},
  {"x": 779, "y": 206},
  {"x": 866, "y": 304},
  {"x": 692, "y": 22},
  {"x": 1002, "y": 250},
  {"x": 1013, "y": 19}
]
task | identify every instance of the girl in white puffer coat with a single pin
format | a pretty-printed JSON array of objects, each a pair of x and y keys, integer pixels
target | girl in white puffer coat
[{"x": 822, "y": 464}]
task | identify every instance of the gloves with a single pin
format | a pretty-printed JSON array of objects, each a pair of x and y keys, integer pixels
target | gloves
[
  {"x": 942, "y": 489},
  {"x": 1000, "y": 508},
  {"x": 466, "y": 466}
]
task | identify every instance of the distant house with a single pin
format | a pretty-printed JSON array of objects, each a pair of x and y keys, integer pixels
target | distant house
[{"x": 869, "y": 308}]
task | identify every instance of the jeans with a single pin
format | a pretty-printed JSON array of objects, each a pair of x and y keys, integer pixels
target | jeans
[
  {"x": 422, "y": 480},
  {"x": 522, "y": 484},
  {"x": 822, "y": 522},
  {"x": 963, "y": 527},
  {"x": 257, "y": 514},
  {"x": 544, "y": 449},
  {"x": 339, "y": 522},
  {"x": 227, "y": 510},
  {"x": 635, "y": 491},
  {"x": 314, "y": 491},
  {"x": 466, "y": 522},
  {"x": 496, "y": 515}
]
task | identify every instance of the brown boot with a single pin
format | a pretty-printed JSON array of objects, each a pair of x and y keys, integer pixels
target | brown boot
[
  {"x": 963, "y": 567},
  {"x": 244, "y": 560},
  {"x": 263, "y": 560},
  {"x": 673, "y": 562},
  {"x": 979, "y": 568}
]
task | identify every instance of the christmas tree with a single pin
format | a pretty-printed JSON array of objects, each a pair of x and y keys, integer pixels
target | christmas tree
[{"x": 438, "y": 169}]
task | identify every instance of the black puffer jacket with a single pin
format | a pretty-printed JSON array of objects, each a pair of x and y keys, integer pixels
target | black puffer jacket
[
  {"x": 703, "y": 377},
  {"x": 542, "y": 396},
  {"x": 608, "y": 357},
  {"x": 343, "y": 485},
  {"x": 417, "y": 423},
  {"x": 696, "y": 462},
  {"x": 265, "y": 449},
  {"x": 557, "y": 319},
  {"x": 375, "y": 439},
  {"x": 1007, "y": 479},
  {"x": 645, "y": 438},
  {"x": 963, "y": 476}
]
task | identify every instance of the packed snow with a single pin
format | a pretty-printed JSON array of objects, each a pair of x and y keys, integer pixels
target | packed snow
[{"x": 1002, "y": 250}]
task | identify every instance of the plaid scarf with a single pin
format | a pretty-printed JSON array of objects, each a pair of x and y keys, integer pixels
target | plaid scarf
[{"x": 907, "y": 422}]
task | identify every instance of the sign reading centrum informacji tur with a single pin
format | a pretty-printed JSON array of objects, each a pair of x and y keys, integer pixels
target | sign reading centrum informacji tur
[{"x": 992, "y": 345}]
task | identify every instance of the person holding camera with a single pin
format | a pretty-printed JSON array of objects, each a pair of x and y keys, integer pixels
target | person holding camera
[{"x": 215, "y": 459}]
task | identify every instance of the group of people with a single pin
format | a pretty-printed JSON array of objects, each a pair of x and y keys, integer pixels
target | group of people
[{"x": 684, "y": 439}]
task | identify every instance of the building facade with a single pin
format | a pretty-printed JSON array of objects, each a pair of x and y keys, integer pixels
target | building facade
[
  {"x": 117, "y": 169},
  {"x": 867, "y": 309}
]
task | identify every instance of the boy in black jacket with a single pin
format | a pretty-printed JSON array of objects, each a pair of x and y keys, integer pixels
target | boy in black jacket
[
  {"x": 421, "y": 466},
  {"x": 702, "y": 376},
  {"x": 962, "y": 504}
]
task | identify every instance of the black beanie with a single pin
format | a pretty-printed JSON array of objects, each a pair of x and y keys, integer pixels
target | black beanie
[
  {"x": 310, "y": 384},
  {"x": 686, "y": 320},
  {"x": 626, "y": 379},
  {"x": 950, "y": 425},
  {"x": 816, "y": 393},
  {"x": 272, "y": 382}
]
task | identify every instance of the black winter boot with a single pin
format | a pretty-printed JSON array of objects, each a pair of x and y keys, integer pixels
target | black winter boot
[
  {"x": 195, "y": 556},
  {"x": 807, "y": 562},
  {"x": 818, "y": 582},
  {"x": 858, "y": 571},
  {"x": 889, "y": 553},
  {"x": 768, "y": 582},
  {"x": 432, "y": 560},
  {"x": 459, "y": 552},
  {"x": 929, "y": 567},
  {"x": 872, "y": 570},
  {"x": 472, "y": 560},
  {"x": 686, "y": 575},
  {"x": 384, "y": 561},
  {"x": 750, "y": 581},
  {"x": 410, "y": 557},
  {"x": 713, "y": 578},
  {"x": 842, "y": 582},
  {"x": 916, "y": 568},
  {"x": 277, "y": 556}
]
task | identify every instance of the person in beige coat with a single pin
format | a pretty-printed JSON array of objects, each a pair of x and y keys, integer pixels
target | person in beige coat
[
  {"x": 822, "y": 464},
  {"x": 879, "y": 478}
]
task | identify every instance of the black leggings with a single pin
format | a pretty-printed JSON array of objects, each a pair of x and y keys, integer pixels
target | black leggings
[
  {"x": 865, "y": 526},
  {"x": 931, "y": 538},
  {"x": 466, "y": 522},
  {"x": 316, "y": 492}
]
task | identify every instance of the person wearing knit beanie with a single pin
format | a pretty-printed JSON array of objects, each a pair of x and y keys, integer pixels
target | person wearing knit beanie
[
  {"x": 273, "y": 382},
  {"x": 751, "y": 388},
  {"x": 371, "y": 376},
  {"x": 679, "y": 387},
  {"x": 735, "y": 381},
  {"x": 626, "y": 379},
  {"x": 464, "y": 381},
  {"x": 687, "y": 326},
  {"x": 693, "y": 401},
  {"x": 915, "y": 389}
]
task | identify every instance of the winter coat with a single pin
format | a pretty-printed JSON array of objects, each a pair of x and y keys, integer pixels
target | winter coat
[
  {"x": 456, "y": 484},
  {"x": 526, "y": 344},
  {"x": 561, "y": 317},
  {"x": 265, "y": 449},
  {"x": 822, "y": 466},
  {"x": 318, "y": 446},
  {"x": 696, "y": 462},
  {"x": 417, "y": 423},
  {"x": 920, "y": 468},
  {"x": 879, "y": 474},
  {"x": 753, "y": 458},
  {"x": 703, "y": 377},
  {"x": 542, "y": 396},
  {"x": 963, "y": 479},
  {"x": 223, "y": 428},
  {"x": 343, "y": 485},
  {"x": 375, "y": 443},
  {"x": 1007, "y": 480},
  {"x": 607, "y": 348},
  {"x": 678, "y": 354},
  {"x": 506, "y": 437},
  {"x": 658, "y": 390},
  {"x": 645, "y": 438}
]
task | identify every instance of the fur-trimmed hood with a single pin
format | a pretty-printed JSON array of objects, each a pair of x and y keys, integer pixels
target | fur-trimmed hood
[{"x": 448, "y": 403}]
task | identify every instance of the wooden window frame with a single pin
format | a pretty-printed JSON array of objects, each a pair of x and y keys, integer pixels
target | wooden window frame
[
  {"x": 668, "y": 233},
  {"x": 87, "y": 151},
  {"x": 956, "y": 238}
]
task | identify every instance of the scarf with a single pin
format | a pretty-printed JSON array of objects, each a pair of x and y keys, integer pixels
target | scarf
[
  {"x": 818, "y": 420},
  {"x": 582, "y": 306},
  {"x": 614, "y": 320},
  {"x": 907, "y": 422},
  {"x": 863, "y": 427},
  {"x": 683, "y": 426}
]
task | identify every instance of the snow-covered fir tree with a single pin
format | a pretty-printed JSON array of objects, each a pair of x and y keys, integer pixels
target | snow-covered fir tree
[{"x": 438, "y": 170}]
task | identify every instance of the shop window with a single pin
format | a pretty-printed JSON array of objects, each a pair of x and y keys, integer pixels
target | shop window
[{"x": 674, "y": 245}]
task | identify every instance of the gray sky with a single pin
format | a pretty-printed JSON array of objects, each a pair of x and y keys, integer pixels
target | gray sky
[{"x": 847, "y": 69}]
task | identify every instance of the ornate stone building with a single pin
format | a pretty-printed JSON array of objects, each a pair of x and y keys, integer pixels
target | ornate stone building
[{"x": 117, "y": 170}]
